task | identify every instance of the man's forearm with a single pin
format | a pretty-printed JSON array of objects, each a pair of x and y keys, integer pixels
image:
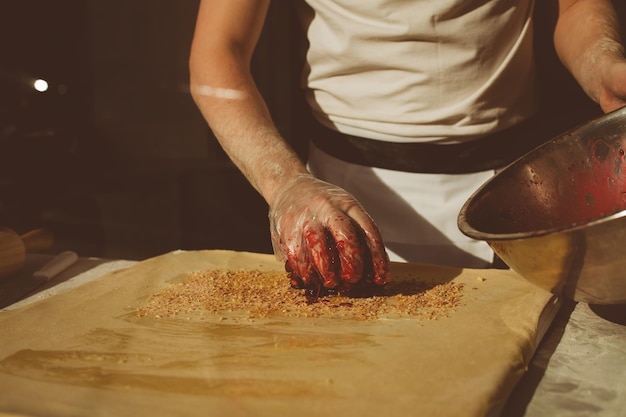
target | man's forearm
[
  {"x": 237, "y": 114},
  {"x": 587, "y": 39}
]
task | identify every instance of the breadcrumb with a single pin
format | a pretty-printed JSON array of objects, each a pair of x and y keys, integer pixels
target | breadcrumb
[{"x": 263, "y": 294}]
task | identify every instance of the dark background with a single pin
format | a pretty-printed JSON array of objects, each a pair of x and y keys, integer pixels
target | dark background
[{"x": 115, "y": 158}]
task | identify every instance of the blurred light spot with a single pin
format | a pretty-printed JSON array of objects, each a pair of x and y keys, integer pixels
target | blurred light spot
[{"x": 41, "y": 85}]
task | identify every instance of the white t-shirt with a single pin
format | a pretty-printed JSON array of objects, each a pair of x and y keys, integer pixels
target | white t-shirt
[{"x": 420, "y": 70}]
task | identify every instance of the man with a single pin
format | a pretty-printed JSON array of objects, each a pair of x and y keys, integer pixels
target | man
[{"x": 418, "y": 103}]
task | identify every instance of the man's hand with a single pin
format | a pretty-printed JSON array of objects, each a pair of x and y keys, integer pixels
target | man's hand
[
  {"x": 588, "y": 41},
  {"x": 613, "y": 91},
  {"x": 325, "y": 237}
]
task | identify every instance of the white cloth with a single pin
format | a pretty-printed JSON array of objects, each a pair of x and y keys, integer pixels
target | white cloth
[
  {"x": 416, "y": 213},
  {"x": 420, "y": 70}
]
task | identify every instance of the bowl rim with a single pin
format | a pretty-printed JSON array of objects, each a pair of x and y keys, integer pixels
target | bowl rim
[
  {"x": 467, "y": 229},
  {"x": 474, "y": 233}
]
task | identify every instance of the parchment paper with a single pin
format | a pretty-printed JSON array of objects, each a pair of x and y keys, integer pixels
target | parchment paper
[{"x": 85, "y": 353}]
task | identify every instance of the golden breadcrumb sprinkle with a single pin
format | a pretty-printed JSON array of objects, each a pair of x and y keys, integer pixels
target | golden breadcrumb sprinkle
[{"x": 267, "y": 294}]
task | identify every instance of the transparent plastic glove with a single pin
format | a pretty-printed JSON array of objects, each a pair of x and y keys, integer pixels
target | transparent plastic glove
[
  {"x": 612, "y": 94},
  {"x": 325, "y": 238}
]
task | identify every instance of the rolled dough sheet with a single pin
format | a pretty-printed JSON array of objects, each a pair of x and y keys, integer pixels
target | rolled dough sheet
[{"x": 85, "y": 352}]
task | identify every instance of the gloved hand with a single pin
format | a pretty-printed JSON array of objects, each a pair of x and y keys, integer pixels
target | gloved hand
[
  {"x": 612, "y": 95},
  {"x": 325, "y": 237}
]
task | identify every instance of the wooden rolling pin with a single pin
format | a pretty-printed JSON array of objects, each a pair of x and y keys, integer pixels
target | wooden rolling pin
[{"x": 13, "y": 248}]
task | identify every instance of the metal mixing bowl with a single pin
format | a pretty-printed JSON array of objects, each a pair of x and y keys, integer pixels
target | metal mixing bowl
[{"x": 557, "y": 216}]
